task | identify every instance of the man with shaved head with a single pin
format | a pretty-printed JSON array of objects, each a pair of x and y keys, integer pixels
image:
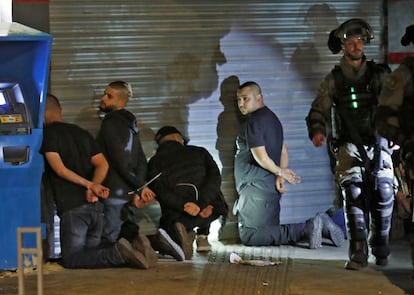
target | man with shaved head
[{"x": 260, "y": 170}]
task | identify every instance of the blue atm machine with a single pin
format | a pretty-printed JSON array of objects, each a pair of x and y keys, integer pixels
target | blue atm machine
[{"x": 24, "y": 70}]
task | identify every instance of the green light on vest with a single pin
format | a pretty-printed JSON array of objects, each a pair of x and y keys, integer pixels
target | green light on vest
[{"x": 354, "y": 98}]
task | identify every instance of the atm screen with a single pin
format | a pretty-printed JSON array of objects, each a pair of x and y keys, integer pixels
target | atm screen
[{"x": 14, "y": 115}]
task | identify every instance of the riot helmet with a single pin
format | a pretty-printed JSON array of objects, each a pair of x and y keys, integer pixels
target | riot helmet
[
  {"x": 351, "y": 28},
  {"x": 334, "y": 43},
  {"x": 408, "y": 36}
]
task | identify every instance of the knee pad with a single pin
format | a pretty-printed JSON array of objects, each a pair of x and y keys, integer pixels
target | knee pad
[
  {"x": 384, "y": 199},
  {"x": 355, "y": 211},
  {"x": 354, "y": 197},
  {"x": 381, "y": 209},
  {"x": 353, "y": 190},
  {"x": 357, "y": 227},
  {"x": 385, "y": 190}
]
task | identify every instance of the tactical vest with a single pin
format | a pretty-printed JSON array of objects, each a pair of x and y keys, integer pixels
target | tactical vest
[
  {"x": 406, "y": 113},
  {"x": 355, "y": 103}
]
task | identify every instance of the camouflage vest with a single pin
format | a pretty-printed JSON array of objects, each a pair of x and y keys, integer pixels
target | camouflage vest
[{"x": 355, "y": 103}]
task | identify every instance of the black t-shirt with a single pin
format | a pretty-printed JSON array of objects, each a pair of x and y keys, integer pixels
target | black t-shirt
[
  {"x": 76, "y": 147},
  {"x": 262, "y": 128}
]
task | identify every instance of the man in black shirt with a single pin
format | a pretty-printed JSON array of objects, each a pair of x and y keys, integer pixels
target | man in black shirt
[
  {"x": 120, "y": 142},
  {"x": 260, "y": 170},
  {"x": 75, "y": 169}
]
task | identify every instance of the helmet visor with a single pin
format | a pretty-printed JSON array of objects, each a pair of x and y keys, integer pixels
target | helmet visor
[{"x": 361, "y": 33}]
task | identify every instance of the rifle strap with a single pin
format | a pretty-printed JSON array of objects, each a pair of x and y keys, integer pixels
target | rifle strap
[{"x": 355, "y": 137}]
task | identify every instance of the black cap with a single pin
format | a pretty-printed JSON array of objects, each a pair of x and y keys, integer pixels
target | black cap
[
  {"x": 167, "y": 130},
  {"x": 408, "y": 36}
]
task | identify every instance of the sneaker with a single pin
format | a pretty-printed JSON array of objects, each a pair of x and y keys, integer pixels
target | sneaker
[
  {"x": 313, "y": 231},
  {"x": 129, "y": 255},
  {"x": 164, "y": 244},
  {"x": 143, "y": 245},
  {"x": 184, "y": 239},
  {"x": 202, "y": 243},
  {"x": 331, "y": 230}
]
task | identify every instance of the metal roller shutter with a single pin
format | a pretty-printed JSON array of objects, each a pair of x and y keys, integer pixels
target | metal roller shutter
[{"x": 183, "y": 59}]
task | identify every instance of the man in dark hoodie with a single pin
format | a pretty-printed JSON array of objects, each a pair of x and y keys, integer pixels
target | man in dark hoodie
[
  {"x": 121, "y": 145},
  {"x": 188, "y": 189}
]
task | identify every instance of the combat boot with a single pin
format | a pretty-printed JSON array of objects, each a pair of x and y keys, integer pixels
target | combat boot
[
  {"x": 381, "y": 250},
  {"x": 358, "y": 255}
]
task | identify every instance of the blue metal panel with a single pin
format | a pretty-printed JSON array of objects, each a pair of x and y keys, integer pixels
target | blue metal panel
[{"x": 24, "y": 59}]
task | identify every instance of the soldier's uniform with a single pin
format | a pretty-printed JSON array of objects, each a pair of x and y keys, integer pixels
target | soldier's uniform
[
  {"x": 344, "y": 109},
  {"x": 395, "y": 116}
]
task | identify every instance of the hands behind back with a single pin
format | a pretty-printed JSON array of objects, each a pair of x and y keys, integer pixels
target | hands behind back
[
  {"x": 147, "y": 195},
  {"x": 96, "y": 191},
  {"x": 280, "y": 184},
  {"x": 206, "y": 212},
  {"x": 286, "y": 174},
  {"x": 191, "y": 208}
]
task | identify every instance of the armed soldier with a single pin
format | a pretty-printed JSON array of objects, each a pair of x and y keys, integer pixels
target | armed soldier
[
  {"x": 395, "y": 120},
  {"x": 343, "y": 110}
]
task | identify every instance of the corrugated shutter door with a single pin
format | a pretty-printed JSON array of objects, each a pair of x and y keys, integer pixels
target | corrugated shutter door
[{"x": 183, "y": 59}]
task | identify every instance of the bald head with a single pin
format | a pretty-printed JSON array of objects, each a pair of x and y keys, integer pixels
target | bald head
[
  {"x": 53, "y": 110},
  {"x": 254, "y": 87},
  {"x": 249, "y": 98}
]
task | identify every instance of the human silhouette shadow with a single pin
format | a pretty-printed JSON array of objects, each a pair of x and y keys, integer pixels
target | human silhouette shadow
[
  {"x": 89, "y": 117},
  {"x": 309, "y": 58},
  {"x": 228, "y": 125},
  {"x": 183, "y": 77}
]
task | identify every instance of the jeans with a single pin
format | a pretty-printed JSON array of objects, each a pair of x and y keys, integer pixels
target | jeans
[
  {"x": 112, "y": 219},
  {"x": 80, "y": 235}
]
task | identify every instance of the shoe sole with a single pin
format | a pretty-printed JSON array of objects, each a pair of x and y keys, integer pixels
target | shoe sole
[
  {"x": 144, "y": 246},
  {"x": 203, "y": 249},
  {"x": 315, "y": 241},
  {"x": 133, "y": 257},
  {"x": 177, "y": 252},
  {"x": 353, "y": 265},
  {"x": 184, "y": 240},
  {"x": 381, "y": 261},
  {"x": 203, "y": 245},
  {"x": 336, "y": 234}
]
